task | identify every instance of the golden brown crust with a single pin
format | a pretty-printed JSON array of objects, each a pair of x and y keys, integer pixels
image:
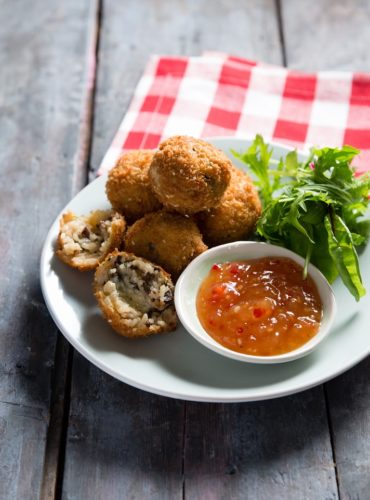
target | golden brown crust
[
  {"x": 128, "y": 188},
  {"x": 68, "y": 247},
  {"x": 121, "y": 321},
  {"x": 236, "y": 215},
  {"x": 168, "y": 239},
  {"x": 189, "y": 175}
]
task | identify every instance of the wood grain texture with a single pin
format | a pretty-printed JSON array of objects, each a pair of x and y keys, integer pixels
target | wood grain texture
[
  {"x": 337, "y": 36},
  {"x": 327, "y": 34},
  {"x": 42, "y": 80},
  {"x": 114, "y": 436},
  {"x": 22, "y": 431},
  {"x": 53, "y": 464},
  {"x": 122, "y": 442},
  {"x": 132, "y": 31},
  {"x": 349, "y": 402},
  {"x": 272, "y": 449}
]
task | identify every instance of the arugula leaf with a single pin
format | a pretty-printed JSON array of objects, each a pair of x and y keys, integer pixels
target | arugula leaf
[
  {"x": 321, "y": 257},
  {"x": 269, "y": 180},
  {"x": 343, "y": 253},
  {"x": 315, "y": 208},
  {"x": 258, "y": 158}
]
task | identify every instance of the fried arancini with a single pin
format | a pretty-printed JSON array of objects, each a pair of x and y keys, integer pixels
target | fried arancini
[
  {"x": 83, "y": 241},
  {"x": 236, "y": 215},
  {"x": 189, "y": 175},
  {"x": 168, "y": 239},
  {"x": 128, "y": 188},
  {"x": 135, "y": 295}
]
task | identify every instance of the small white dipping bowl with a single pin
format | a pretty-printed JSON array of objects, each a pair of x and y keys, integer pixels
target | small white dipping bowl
[{"x": 188, "y": 285}]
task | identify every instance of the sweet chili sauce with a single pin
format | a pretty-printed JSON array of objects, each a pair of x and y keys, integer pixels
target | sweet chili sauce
[{"x": 261, "y": 307}]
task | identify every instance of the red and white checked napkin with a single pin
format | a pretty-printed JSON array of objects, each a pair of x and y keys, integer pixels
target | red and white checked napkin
[{"x": 220, "y": 95}]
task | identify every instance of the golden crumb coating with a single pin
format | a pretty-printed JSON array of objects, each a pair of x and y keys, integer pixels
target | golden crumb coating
[
  {"x": 128, "y": 188},
  {"x": 168, "y": 239},
  {"x": 83, "y": 241},
  {"x": 135, "y": 295},
  {"x": 236, "y": 215},
  {"x": 189, "y": 175}
]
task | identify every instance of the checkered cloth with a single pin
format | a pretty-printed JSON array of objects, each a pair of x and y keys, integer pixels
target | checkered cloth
[{"x": 219, "y": 95}]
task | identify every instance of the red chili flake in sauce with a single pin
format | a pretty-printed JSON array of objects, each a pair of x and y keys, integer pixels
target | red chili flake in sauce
[
  {"x": 234, "y": 268},
  {"x": 262, "y": 307},
  {"x": 258, "y": 312},
  {"x": 218, "y": 291}
]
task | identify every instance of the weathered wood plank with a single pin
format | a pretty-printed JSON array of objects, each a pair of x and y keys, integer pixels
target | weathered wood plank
[
  {"x": 273, "y": 449},
  {"x": 337, "y": 36},
  {"x": 22, "y": 431},
  {"x": 349, "y": 403},
  {"x": 42, "y": 80},
  {"x": 113, "y": 439},
  {"x": 53, "y": 464},
  {"x": 122, "y": 442},
  {"x": 327, "y": 34}
]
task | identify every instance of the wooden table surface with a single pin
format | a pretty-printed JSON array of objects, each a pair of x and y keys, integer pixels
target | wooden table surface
[{"x": 68, "y": 430}]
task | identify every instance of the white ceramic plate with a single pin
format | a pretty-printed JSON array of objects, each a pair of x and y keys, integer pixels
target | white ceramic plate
[{"x": 175, "y": 364}]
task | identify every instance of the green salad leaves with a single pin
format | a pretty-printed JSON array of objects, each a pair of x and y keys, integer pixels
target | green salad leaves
[{"x": 316, "y": 208}]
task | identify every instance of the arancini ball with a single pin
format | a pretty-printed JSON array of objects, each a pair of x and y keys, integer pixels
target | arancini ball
[
  {"x": 189, "y": 175},
  {"x": 128, "y": 188},
  {"x": 167, "y": 239},
  {"x": 84, "y": 240},
  {"x": 236, "y": 215},
  {"x": 135, "y": 296}
]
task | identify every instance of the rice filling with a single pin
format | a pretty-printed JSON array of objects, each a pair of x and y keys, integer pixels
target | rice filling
[
  {"x": 82, "y": 236},
  {"x": 138, "y": 291}
]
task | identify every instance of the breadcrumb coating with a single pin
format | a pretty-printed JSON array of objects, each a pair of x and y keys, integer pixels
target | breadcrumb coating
[
  {"x": 236, "y": 215},
  {"x": 168, "y": 239},
  {"x": 128, "y": 187},
  {"x": 189, "y": 175}
]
